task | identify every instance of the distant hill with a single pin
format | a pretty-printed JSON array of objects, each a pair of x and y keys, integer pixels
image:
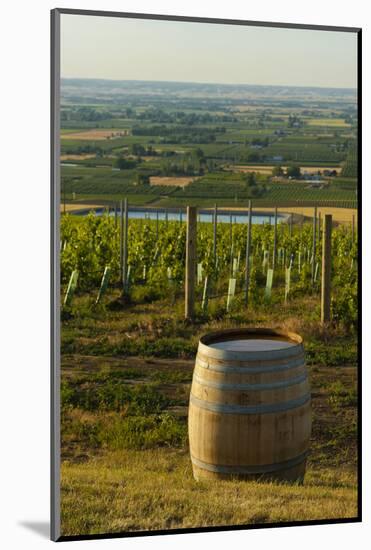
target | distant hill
[{"x": 101, "y": 88}]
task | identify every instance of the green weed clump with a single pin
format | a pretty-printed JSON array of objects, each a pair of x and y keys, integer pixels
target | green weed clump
[
  {"x": 114, "y": 396},
  {"x": 144, "y": 347},
  {"x": 138, "y": 432},
  {"x": 340, "y": 396},
  {"x": 115, "y": 431},
  {"x": 318, "y": 353}
]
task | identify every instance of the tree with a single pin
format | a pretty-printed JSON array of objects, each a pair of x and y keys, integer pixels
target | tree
[
  {"x": 143, "y": 179},
  {"x": 294, "y": 121},
  {"x": 251, "y": 179},
  {"x": 138, "y": 149},
  {"x": 277, "y": 171},
  {"x": 253, "y": 157},
  {"x": 293, "y": 171},
  {"x": 255, "y": 192},
  {"x": 124, "y": 164},
  {"x": 130, "y": 113},
  {"x": 199, "y": 154}
]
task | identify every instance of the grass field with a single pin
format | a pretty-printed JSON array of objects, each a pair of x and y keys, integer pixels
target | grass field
[
  {"x": 118, "y": 475},
  {"x": 127, "y": 362},
  {"x": 150, "y": 490},
  {"x": 221, "y": 185},
  {"x": 125, "y": 464},
  {"x": 336, "y": 122}
]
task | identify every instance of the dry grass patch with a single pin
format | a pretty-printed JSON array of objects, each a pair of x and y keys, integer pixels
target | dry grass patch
[
  {"x": 95, "y": 134},
  {"x": 155, "y": 489},
  {"x": 73, "y": 207},
  {"x": 262, "y": 169},
  {"x": 171, "y": 181},
  {"x": 341, "y": 215},
  {"x": 337, "y": 122},
  {"x": 77, "y": 157}
]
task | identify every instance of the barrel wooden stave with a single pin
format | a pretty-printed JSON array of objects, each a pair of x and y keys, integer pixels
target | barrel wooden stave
[
  {"x": 246, "y": 396},
  {"x": 295, "y": 474},
  {"x": 248, "y": 439},
  {"x": 259, "y": 431}
]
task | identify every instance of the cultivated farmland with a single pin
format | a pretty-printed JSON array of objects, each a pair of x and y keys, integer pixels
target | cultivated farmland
[
  {"x": 213, "y": 140},
  {"x": 128, "y": 345}
]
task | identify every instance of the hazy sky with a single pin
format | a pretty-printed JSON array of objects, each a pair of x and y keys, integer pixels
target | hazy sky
[{"x": 137, "y": 49}]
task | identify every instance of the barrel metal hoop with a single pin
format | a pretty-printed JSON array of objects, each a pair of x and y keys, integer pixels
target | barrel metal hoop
[
  {"x": 233, "y": 369},
  {"x": 250, "y": 387},
  {"x": 269, "y": 355},
  {"x": 263, "y": 469},
  {"x": 250, "y": 409}
]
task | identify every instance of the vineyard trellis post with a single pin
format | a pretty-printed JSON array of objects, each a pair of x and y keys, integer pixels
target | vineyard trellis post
[
  {"x": 247, "y": 261},
  {"x": 319, "y": 228},
  {"x": 72, "y": 285},
  {"x": 275, "y": 239},
  {"x": 231, "y": 292},
  {"x": 125, "y": 246},
  {"x": 191, "y": 258},
  {"x": 104, "y": 284},
  {"x": 64, "y": 195},
  {"x": 205, "y": 295},
  {"x": 326, "y": 270},
  {"x": 287, "y": 282},
  {"x": 121, "y": 234},
  {"x": 269, "y": 283},
  {"x": 215, "y": 227},
  {"x": 314, "y": 242},
  {"x": 353, "y": 228}
]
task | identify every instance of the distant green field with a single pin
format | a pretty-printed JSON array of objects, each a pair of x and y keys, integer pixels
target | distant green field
[
  {"x": 228, "y": 187},
  {"x": 265, "y": 132},
  {"x": 135, "y": 200},
  {"x": 350, "y": 168},
  {"x": 337, "y": 122}
]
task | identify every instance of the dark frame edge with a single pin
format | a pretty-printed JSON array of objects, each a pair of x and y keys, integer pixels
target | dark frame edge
[
  {"x": 213, "y": 20},
  {"x": 196, "y": 530},
  {"x": 55, "y": 305},
  {"x": 54, "y": 280},
  {"x": 359, "y": 238}
]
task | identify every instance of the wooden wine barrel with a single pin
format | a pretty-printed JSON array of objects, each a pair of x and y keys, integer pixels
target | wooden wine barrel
[{"x": 250, "y": 406}]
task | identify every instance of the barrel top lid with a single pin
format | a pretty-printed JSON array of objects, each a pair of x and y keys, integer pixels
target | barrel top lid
[
  {"x": 252, "y": 344},
  {"x": 239, "y": 343}
]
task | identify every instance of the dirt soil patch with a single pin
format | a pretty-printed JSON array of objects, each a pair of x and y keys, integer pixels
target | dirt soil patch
[
  {"x": 341, "y": 215},
  {"x": 77, "y": 157},
  {"x": 71, "y": 207},
  {"x": 95, "y": 134},
  {"x": 171, "y": 181}
]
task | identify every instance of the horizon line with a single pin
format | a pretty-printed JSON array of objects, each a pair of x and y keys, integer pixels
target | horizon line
[{"x": 211, "y": 83}]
